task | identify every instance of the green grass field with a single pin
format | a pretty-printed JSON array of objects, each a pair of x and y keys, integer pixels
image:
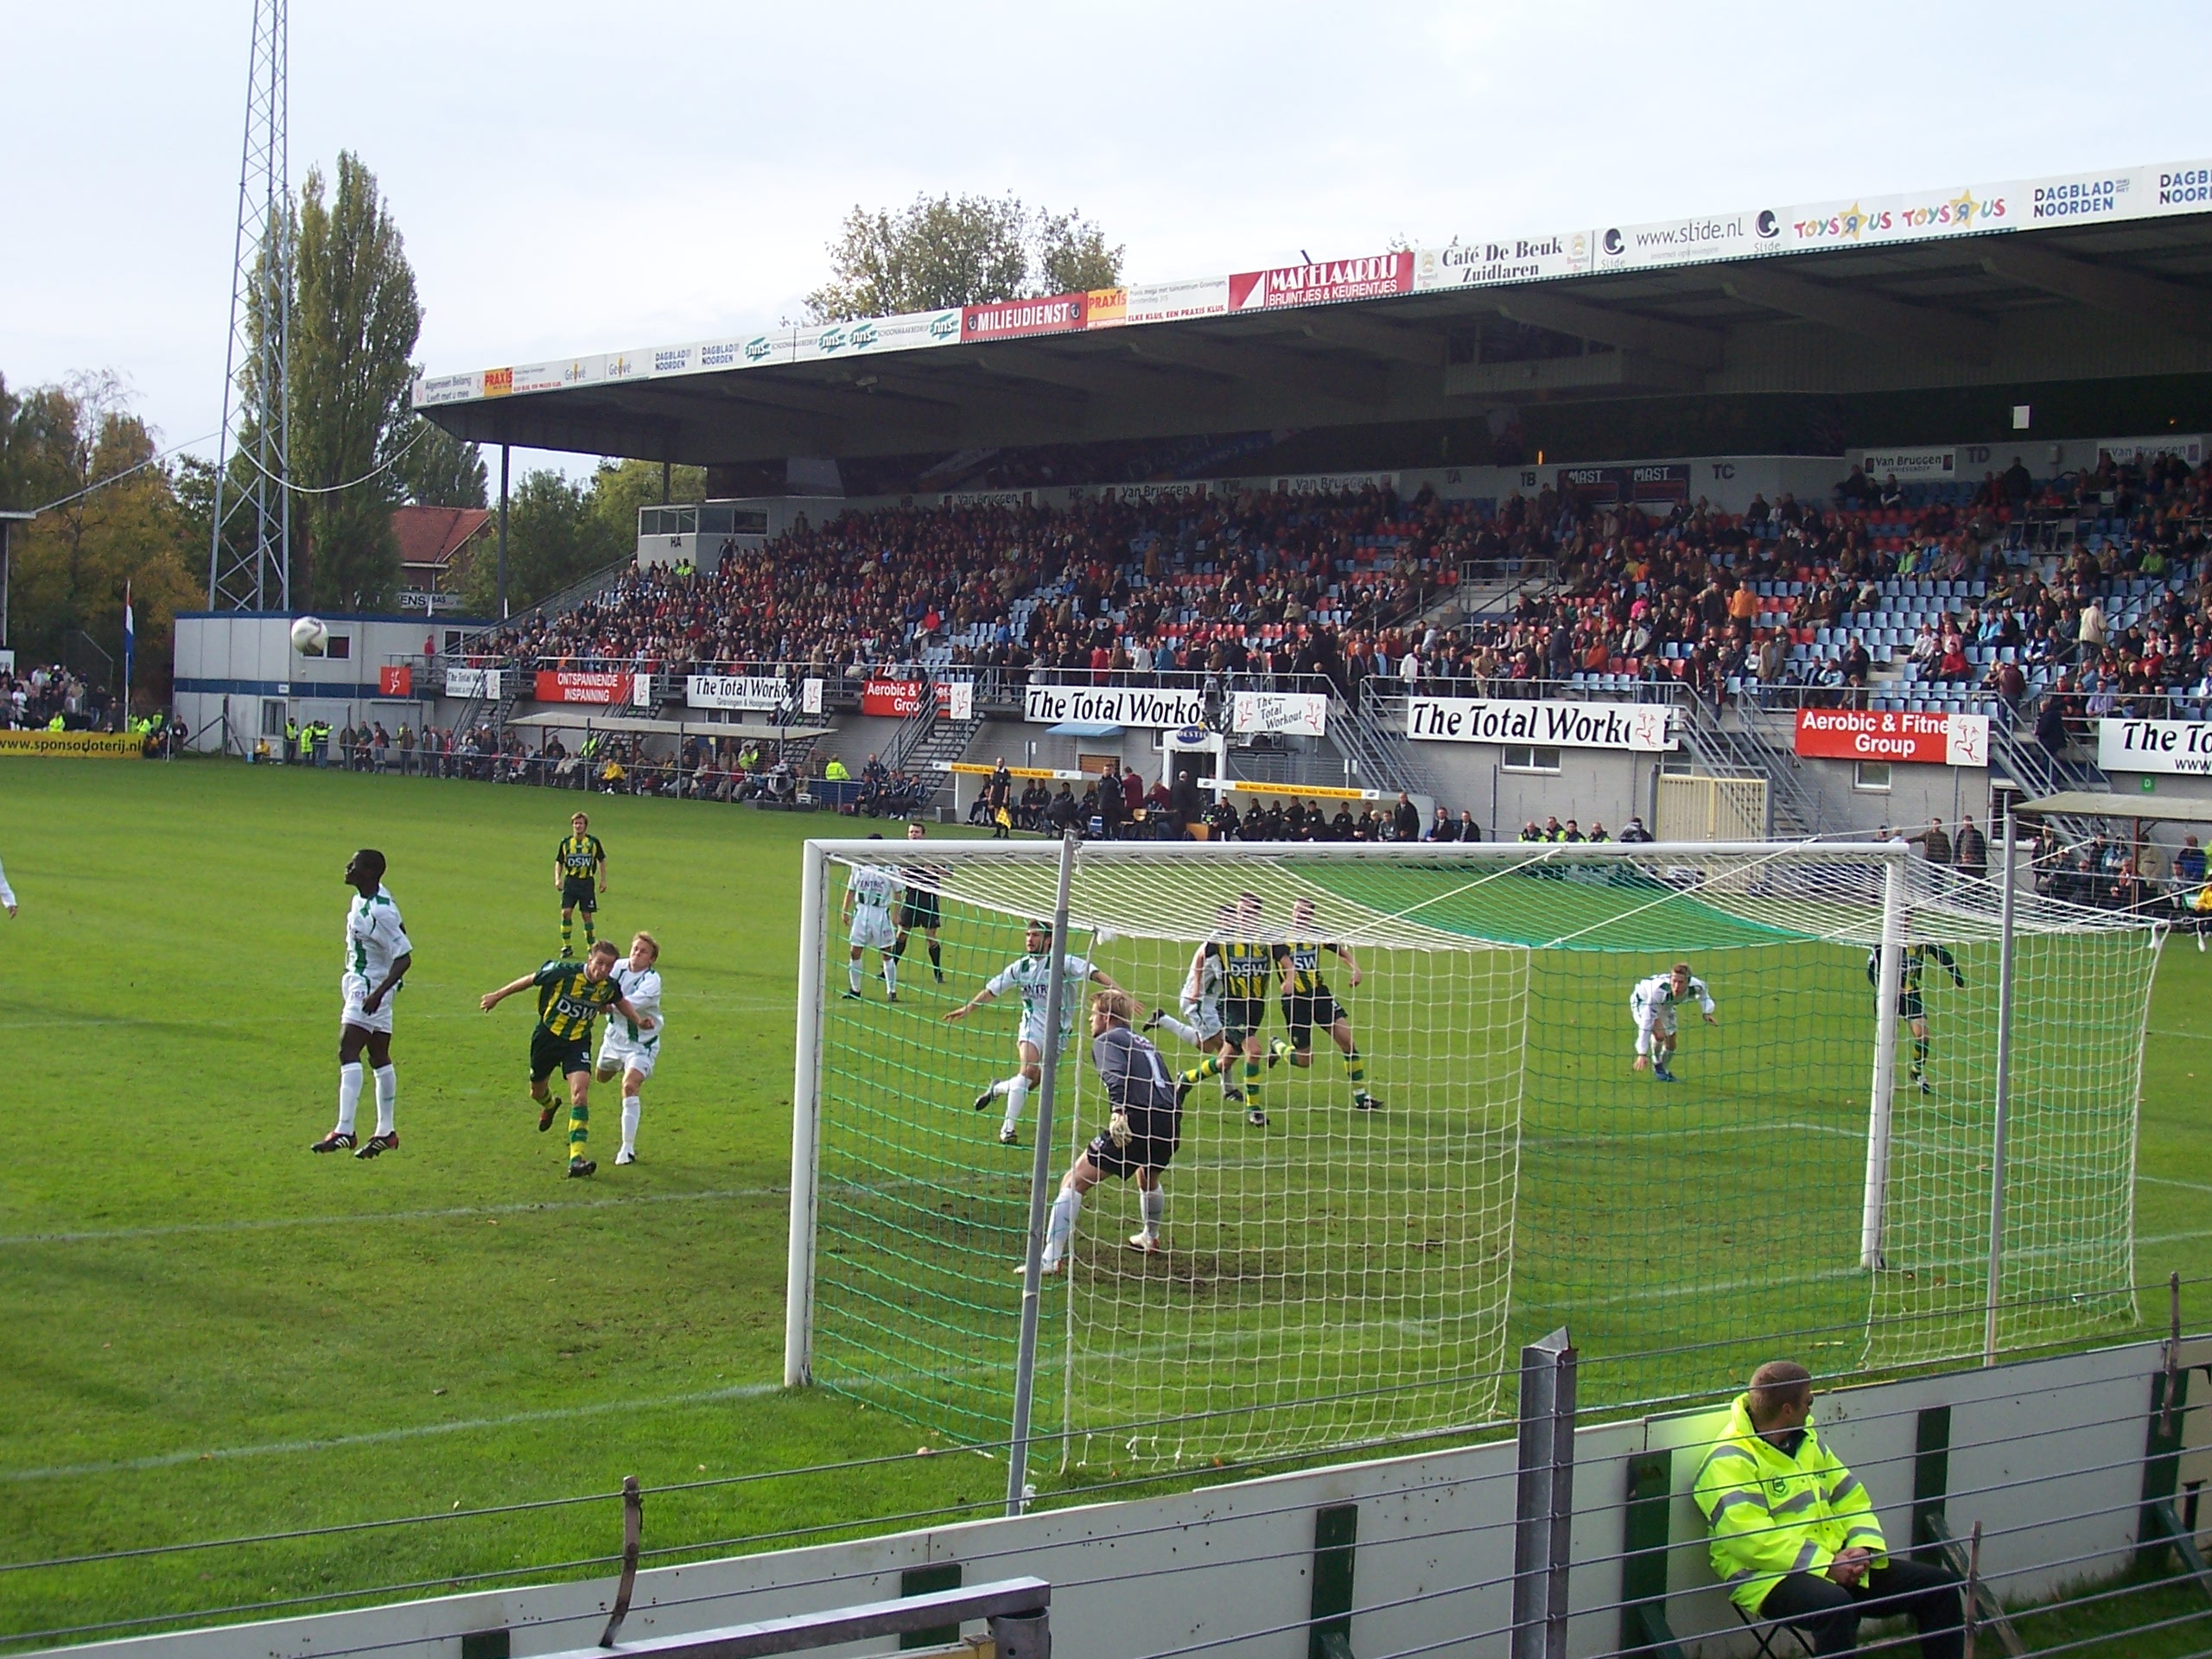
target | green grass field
[{"x": 209, "y": 1333}]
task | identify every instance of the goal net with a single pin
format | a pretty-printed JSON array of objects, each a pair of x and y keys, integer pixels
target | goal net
[{"x": 1437, "y": 1142}]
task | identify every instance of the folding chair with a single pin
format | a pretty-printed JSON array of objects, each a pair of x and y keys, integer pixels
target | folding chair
[{"x": 1762, "y": 1631}]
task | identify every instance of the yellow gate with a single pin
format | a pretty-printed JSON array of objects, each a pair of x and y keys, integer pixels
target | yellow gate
[{"x": 1711, "y": 808}]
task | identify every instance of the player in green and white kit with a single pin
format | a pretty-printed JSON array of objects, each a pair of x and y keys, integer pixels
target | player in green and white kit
[
  {"x": 1032, "y": 975},
  {"x": 629, "y": 1046}
]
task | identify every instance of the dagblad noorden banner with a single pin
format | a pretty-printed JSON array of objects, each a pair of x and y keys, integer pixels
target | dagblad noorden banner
[{"x": 1638, "y": 726}]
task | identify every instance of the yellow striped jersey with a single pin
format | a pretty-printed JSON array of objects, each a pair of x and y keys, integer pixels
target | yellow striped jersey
[
  {"x": 568, "y": 1003},
  {"x": 1301, "y": 962},
  {"x": 580, "y": 856},
  {"x": 1248, "y": 970}
]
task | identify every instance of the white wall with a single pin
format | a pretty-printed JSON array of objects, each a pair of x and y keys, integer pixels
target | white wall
[{"x": 2046, "y": 1453}]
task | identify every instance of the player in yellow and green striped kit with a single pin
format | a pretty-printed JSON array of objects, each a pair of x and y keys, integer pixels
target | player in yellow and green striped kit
[
  {"x": 580, "y": 872},
  {"x": 570, "y": 995}
]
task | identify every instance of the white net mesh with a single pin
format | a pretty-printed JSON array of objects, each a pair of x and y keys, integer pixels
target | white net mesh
[{"x": 1350, "y": 1271}]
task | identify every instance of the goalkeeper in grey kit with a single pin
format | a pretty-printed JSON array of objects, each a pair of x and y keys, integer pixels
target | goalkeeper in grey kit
[{"x": 1140, "y": 1137}]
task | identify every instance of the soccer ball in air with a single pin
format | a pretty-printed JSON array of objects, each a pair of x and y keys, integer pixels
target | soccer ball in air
[{"x": 309, "y": 635}]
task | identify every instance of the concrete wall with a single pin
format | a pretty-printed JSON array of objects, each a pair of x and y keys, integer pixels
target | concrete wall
[{"x": 2046, "y": 1453}]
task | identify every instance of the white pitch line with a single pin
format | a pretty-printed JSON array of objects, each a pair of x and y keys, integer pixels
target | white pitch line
[
  {"x": 386, "y": 1436},
  {"x": 457, "y": 1213},
  {"x": 2168, "y": 1180}
]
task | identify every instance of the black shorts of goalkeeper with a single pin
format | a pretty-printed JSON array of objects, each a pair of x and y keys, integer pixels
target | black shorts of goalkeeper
[{"x": 1154, "y": 1133}]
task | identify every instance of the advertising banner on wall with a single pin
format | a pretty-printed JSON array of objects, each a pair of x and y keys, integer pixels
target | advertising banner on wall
[
  {"x": 1479, "y": 261},
  {"x": 913, "y": 331},
  {"x": 1893, "y": 735},
  {"x": 1909, "y": 464},
  {"x": 576, "y": 685},
  {"x": 490, "y": 682},
  {"x": 735, "y": 691},
  {"x": 1113, "y": 705},
  {"x": 1195, "y": 296},
  {"x": 956, "y": 698},
  {"x": 1283, "y": 714},
  {"x": 1018, "y": 319},
  {"x": 81, "y": 746},
  {"x": 1327, "y": 283},
  {"x": 810, "y": 697},
  {"x": 2162, "y": 746},
  {"x": 1641, "y": 726},
  {"x": 893, "y": 699},
  {"x": 1605, "y": 486},
  {"x": 396, "y": 681},
  {"x": 2139, "y": 452}
]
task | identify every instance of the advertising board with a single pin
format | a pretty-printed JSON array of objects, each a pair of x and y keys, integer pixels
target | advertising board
[
  {"x": 396, "y": 680},
  {"x": 1328, "y": 282},
  {"x": 1282, "y": 714},
  {"x": 476, "y": 682},
  {"x": 1479, "y": 261},
  {"x": 1118, "y": 705},
  {"x": 578, "y": 685},
  {"x": 2171, "y": 747},
  {"x": 894, "y": 699},
  {"x": 77, "y": 746},
  {"x": 735, "y": 691},
  {"x": 1925, "y": 740},
  {"x": 1019, "y": 319},
  {"x": 1909, "y": 464},
  {"x": 1642, "y": 728}
]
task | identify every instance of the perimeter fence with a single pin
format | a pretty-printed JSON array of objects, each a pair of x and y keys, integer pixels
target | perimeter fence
[{"x": 2063, "y": 1489}]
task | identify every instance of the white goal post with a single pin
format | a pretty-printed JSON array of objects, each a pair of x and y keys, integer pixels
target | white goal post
[{"x": 1443, "y": 1143}]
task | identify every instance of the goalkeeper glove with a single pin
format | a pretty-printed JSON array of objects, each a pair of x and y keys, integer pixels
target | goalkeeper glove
[{"x": 1117, "y": 1128}]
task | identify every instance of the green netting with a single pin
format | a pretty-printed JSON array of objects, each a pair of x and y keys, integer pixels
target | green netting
[{"x": 1342, "y": 1274}]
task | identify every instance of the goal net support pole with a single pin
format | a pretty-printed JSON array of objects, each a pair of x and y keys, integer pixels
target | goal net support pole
[
  {"x": 1874, "y": 1214},
  {"x": 1057, "y": 1014},
  {"x": 2001, "y": 1122},
  {"x": 798, "y": 1291}
]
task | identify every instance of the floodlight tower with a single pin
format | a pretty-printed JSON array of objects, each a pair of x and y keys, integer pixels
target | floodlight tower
[{"x": 250, "y": 552}]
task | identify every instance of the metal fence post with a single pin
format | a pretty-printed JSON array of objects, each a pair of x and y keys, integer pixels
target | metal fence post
[{"x": 1543, "y": 1499}]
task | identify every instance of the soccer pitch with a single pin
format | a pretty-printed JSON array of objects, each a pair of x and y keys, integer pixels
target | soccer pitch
[{"x": 210, "y": 1333}]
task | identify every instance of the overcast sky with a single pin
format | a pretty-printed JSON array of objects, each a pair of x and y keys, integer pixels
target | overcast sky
[{"x": 573, "y": 178}]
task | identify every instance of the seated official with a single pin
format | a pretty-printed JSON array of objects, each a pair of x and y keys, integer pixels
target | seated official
[{"x": 1795, "y": 1536}]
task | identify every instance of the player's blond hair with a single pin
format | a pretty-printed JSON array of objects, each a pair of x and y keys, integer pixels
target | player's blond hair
[
  {"x": 1116, "y": 1004},
  {"x": 649, "y": 939}
]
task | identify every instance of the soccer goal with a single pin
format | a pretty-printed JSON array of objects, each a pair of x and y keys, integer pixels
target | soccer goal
[{"x": 1459, "y": 1122}]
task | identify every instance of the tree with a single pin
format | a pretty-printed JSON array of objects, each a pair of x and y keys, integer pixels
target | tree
[
  {"x": 73, "y": 564},
  {"x": 439, "y": 470},
  {"x": 559, "y": 532},
  {"x": 355, "y": 319},
  {"x": 946, "y": 250}
]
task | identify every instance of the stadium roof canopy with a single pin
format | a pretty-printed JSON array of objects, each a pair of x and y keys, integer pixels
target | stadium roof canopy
[{"x": 2093, "y": 277}]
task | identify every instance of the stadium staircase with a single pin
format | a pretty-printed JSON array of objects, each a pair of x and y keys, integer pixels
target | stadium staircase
[
  {"x": 1383, "y": 757},
  {"x": 1792, "y": 811}
]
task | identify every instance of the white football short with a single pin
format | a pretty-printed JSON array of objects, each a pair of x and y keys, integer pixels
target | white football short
[
  {"x": 354, "y": 990},
  {"x": 873, "y": 930},
  {"x": 617, "y": 1053},
  {"x": 1204, "y": 1018},
  {"x": 1032, "y": 1030}
]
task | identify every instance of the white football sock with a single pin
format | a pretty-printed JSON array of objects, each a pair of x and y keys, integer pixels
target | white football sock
[
  {"x": 853, "y": 976},
  {"x": 632, "y": 1109},
  {"x": 891, "y": 974},
  {"x": 387, "y": 1098},
  {"x": 1065, "y": 1209},
  {"x": 1153, "y": 1207},
  {"x": 1186, "y": 1033},
  {"x": 349, "y": 1096},
  {"x": 1017, "y": 1096}
]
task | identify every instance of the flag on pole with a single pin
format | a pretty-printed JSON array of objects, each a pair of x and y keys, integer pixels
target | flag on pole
[{"x": 130, "y": 650}]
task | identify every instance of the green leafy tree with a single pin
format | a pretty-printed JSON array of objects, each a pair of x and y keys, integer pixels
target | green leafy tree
[
  {"x": 947, "y": 250},
  {"x": 440, "y": 470},
  {"x": 355, "y": 319},
  {"x": 124, "y": 528},
  {"x": 560, "y": 532}
]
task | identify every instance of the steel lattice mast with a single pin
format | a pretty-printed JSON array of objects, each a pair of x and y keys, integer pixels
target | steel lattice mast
[{"x": 250, "y": 551}]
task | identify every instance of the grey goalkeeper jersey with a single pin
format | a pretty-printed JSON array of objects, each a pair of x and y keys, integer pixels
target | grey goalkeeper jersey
[{"x": 1136, "y": 1077}]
